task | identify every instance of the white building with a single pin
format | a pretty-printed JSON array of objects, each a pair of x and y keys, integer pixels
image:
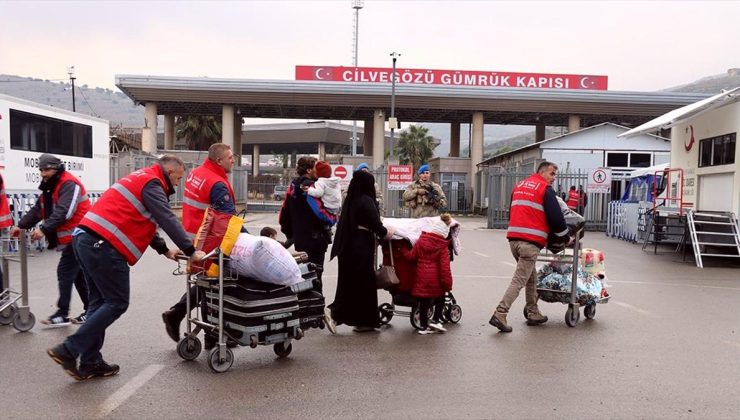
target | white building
[
  {"x": 593, "y": 147},
  {"x": 704, "y": 146}
]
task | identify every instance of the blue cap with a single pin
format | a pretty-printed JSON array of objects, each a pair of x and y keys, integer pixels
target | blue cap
[
  {"x": 361, "y": 166},
  {"x": 423, "y": 168}
]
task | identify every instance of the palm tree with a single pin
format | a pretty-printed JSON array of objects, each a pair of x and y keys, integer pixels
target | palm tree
[
  {"x": 415, "y": 146},
  {"x": 198, "y": 131}
]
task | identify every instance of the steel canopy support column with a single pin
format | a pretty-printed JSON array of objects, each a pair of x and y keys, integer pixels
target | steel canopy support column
[
  {"x": 255, "y": 160},
  {"x": 476, "y": 151},
  {"x": 454, "y": 139},
  {"x": 169, "y": 132},
  {"x": 237, "y": 150},
  {"x": 378, "y": 138},
  {"x": 367, "y": 138},
  {"x": 539, "y": 132},
  {"x": 227, "y": 120},
  {"x": 322, "y": 151},
  {"x": 574, "y": 123},
  {"x": 149, "y": 133}
]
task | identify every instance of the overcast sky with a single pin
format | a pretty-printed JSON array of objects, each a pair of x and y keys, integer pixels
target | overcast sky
[{"x": 639, "y": 45}]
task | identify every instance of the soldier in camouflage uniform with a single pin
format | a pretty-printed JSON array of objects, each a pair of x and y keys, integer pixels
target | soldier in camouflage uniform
[{"x": 424, "y": 197}]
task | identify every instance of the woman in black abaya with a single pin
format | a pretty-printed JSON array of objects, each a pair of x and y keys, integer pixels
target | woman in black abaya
[{"x": 356, "y": 299}]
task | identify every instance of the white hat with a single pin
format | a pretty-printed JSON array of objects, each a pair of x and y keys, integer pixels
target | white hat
[{"x": 439, "y": 227}]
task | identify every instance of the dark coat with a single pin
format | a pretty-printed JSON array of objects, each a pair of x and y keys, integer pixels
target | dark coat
[{"x": 433, "y": 275}]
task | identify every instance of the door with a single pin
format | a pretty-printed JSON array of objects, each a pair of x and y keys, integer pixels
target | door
[{"x": 715, "y": 192}]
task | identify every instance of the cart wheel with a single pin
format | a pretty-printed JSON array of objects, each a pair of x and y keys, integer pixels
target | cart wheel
[
  {"x": 589, "y": 311},
  {"x": 526, "y": 313},
  {"x": 299, "y": 333},
  {"x": 217, "y": 364},
  {"x": 572, "y": 315},
  {"x": 189, "y": 348},
  {"x": 416, "y": 319},
  {"x": 23, "y": 326},
  {"x": 7, "y": 316},
  {"x": 455, "y": 313},
  {"x": 386, "y": 313},
  {"x": 282, "y": 350},
  {"x": 322, "y": 324},
  {"x": 253, "y": 341}
]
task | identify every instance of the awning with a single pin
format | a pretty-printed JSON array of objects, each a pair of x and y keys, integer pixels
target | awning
[
  {"x": 680, "y": 115},
  {"x": 648, "y": 171}
]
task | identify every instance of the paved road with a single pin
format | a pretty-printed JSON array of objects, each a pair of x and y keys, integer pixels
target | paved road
[{"x": 667, "y": 346}]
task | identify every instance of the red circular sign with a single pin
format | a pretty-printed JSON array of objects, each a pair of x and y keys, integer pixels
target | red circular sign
[{"x": 340, "y": 172}]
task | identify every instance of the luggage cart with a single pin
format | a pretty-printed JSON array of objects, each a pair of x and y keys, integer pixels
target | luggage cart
[
  {"x": 221, "y": 358},
  {"x": 10, "y": 312},
  {"x": 572, "y": 314}
]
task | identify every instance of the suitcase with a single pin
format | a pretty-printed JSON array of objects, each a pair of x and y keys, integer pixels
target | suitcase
[{"x": 311, "y": 309}]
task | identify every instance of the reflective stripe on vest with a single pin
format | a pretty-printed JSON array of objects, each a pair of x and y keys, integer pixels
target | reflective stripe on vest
[
  {"x": 196, "y": 204},
  {"x": 138, "y": 205},
  {"x": 113, "y": 230},
  {"x": 528, "y": 204},
  {"x": 528, "y": 231}
]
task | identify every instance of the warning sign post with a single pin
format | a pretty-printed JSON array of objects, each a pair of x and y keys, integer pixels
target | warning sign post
[
  {"x": 599, "y": 181},
  {"x": 400, "y": 176},
  {"x": 344, "y": 173}
]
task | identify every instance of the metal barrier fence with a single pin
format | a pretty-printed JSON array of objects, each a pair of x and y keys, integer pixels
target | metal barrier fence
[
  {"x": 501, "y": 182},
  {"x": 628, "y": 221}
]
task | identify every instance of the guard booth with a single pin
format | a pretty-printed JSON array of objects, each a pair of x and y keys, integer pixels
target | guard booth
[{"x": 452, "y": 174}]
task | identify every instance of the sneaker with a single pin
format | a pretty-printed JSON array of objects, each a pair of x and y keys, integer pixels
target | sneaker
[
  {"x": 98, "y": 370},
  {"x": 425, "y": 332},
  {"x": 56, "y": 320},
  {"x": 62, "y": 356},
  {"x": 172, "y": 324},
  {"x": 498, "y": 320},
  {"x": 536, "y": 318},
  {"x": 329, "y": 321},
  {"x": 80, "y": 319},
  {"x": 437, "y": 326}
]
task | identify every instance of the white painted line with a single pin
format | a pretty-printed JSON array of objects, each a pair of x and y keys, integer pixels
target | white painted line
[
  {"x": 480, "y": 254},
  {"x": 127, "y": 390},
  {"x": 731, "y": 343},
  {"x": 509, "y": 263},
  {"x": 698, "y": 286},
  {"x": 634, "y": 308}
]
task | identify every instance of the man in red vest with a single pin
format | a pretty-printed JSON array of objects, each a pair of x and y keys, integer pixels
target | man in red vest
[
  {"x": 206, "y": 186},
  {"x": 6, "y": 219},
  {"x": 61, "y": 206},
  {"x": 573, "y": 198},
  {"x": 112, "y": 236},
  {"x": 535, "y": 216}
]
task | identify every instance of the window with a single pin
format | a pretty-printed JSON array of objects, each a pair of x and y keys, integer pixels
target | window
[
  {"x": 617, "y": 160},
  {"x": 639, "y": 160},
  {"x": 718, "y": 150},
  {"x": 37, "y": 133}
]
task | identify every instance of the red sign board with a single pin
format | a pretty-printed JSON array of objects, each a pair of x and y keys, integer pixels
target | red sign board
[
  {"x": 452, "y": 77},
  {"x": 400, "y": 176},
  {"x": 340, "y": 172}
]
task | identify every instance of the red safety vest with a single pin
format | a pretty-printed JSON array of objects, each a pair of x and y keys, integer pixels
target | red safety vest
[
  {"x": 119, "y": 215},
  {"x": 6, "y": 219},
  {"x": 527, "y": 220},
  {"x": 77, "y": 208},
  {"x": 197, "y": 196},
  {"x": 573, "y": 199}
]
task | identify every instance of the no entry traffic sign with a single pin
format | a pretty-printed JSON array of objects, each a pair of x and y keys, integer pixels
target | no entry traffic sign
[{"x": 344, "y": 173}]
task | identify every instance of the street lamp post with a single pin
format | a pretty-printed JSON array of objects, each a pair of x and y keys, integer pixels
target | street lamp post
[
  {"x": 392, "y": 120},
  {"x": 71, "y": 72},
  {"x": 357, "y": 5}
]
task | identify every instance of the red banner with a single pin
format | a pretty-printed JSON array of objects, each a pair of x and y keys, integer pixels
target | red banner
[
  {"x": 400, "y": 176},
  {"x": 452, "y": 77}
]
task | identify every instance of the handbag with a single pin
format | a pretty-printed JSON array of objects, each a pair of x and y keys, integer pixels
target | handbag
[{"x": 385, "y": 275}]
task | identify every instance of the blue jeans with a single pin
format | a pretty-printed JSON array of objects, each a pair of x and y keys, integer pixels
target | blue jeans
[
  {"x": 107, "y": 275},
  {"x": 68, "y": 273}
]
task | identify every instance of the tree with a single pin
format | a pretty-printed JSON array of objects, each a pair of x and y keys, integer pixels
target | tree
[
  {"x": 199, "y": 131},
  {"x": 415, "y": 146}
]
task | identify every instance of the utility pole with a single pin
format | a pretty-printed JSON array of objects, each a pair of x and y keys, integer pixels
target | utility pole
[
  {"x": 71, "y": 72},
  {"x": 357, "y": 5}
]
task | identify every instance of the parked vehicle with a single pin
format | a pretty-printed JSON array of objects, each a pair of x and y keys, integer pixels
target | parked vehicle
[{"x": 279, "y": 192}]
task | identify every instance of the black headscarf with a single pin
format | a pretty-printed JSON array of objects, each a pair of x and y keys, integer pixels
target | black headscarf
[{"x": 362, "y": 184}]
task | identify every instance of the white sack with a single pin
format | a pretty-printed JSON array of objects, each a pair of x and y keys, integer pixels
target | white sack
[
  {"x": 264, "y": 259},
  {"x": 411, "y": 229}
]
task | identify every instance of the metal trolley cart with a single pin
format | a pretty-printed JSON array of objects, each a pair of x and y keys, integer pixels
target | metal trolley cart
[
  {"x": 10, "y": 312},
  {"x": 572, "y": 314},
  {"x": 278, "y": 329}
]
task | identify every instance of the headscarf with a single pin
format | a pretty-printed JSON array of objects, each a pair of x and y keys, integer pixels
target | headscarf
[{"x": 363, "y": 183}]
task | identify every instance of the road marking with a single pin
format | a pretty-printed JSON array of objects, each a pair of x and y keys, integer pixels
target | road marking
[
  {"x": 509, "y": 263},
  {"x": 127, "y": 390},
  {"x": 634, "y": 308},
  {"x": 699, "y": 286},
  {"x": 731, "y": 343},
  {"x": 480, "y": 254}
]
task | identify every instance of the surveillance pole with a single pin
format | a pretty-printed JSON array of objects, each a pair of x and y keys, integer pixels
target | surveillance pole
[
  {"x": 392, "y": 120},
  {"x": 71, "y": 72}
]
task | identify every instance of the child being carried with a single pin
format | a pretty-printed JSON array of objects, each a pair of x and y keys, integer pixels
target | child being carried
[{"x": 326, "y": 188}]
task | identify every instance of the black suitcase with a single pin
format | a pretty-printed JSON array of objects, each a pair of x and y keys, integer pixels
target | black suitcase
[{"x": 311, "y": 309}]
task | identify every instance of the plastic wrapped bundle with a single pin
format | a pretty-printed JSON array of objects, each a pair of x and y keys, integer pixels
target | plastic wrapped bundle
[{"x": 589, "y": 289}]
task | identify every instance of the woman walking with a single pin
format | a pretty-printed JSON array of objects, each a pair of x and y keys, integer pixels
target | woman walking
[{"x": 356, "y": 299}]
